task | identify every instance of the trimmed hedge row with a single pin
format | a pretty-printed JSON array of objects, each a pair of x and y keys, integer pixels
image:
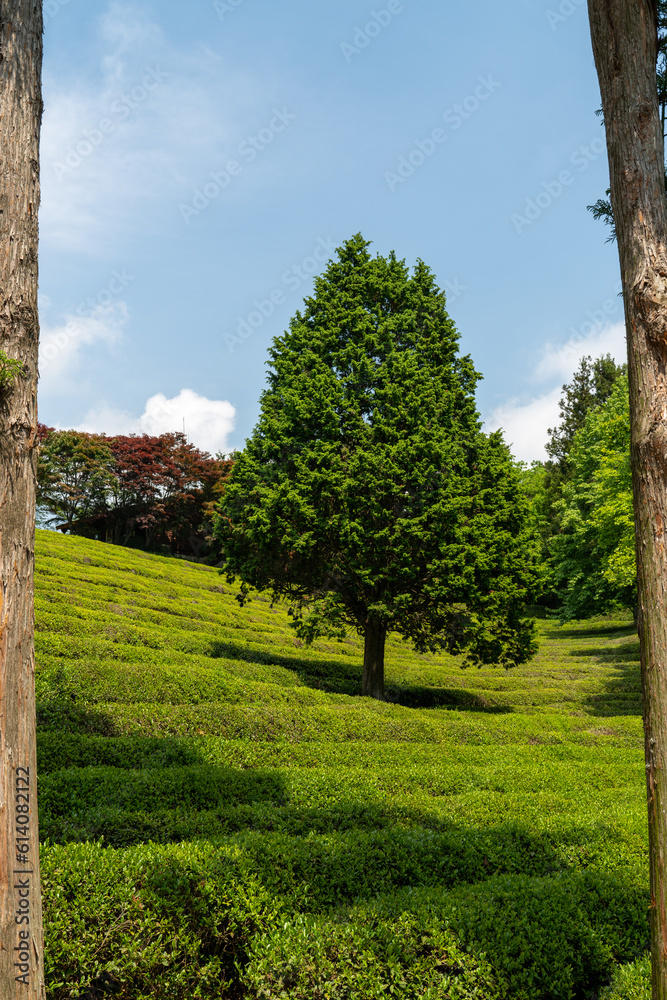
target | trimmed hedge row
[
  {"x": 187, "y": 921},
  {"x": 305, "y": 842}
]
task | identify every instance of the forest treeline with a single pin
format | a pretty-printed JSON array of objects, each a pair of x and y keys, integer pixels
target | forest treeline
[
  {"x": 156, "y": 493},
  {"x": 581, "y": 498},
  {"x": 161, "y": 494}
]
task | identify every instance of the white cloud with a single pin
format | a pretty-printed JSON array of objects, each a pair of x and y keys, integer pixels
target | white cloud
[
  {"x": 60, "y": 347},
  {"x": 525, "y": 423},
  {"x": 208, "y": 422},
  {"x": 562, "y": 361}
]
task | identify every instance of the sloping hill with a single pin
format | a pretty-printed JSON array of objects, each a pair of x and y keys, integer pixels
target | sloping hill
[{"x": 225, "y": 816}]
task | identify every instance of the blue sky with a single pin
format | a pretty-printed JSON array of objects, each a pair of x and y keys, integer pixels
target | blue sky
[{"x": 199, "y": 162}]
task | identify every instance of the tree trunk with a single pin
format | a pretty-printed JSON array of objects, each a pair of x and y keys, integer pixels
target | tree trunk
[
  {"x": 373, "y": 680},
  {"x": 21, "y": 948},
  {"x": 624, "y": 34}
]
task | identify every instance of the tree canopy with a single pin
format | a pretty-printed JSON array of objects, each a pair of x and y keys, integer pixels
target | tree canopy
[
  {"x": 594, "y": 553},
  {"x": 592, "y": 384},
  {"x": 367, "y": 494},
  {"x": 153, "y": 491}
]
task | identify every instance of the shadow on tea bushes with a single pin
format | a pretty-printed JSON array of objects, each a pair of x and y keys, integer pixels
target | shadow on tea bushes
[
  {"x": 511, "y": 937},
  {"x": 162, "y": 923},
  {"x": 405, "y": 957}
]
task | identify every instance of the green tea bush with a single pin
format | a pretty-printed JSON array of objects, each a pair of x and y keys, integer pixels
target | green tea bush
[
  {"x": 553, "y": 937},
  {"x": 630, "y": 982},
  {"x": 165, "y": 923},
  {"x": 225, "y": 819},
  {"x": 190, "y": 920},
  {"x": 310, "y": 958},
  {"x": 517, "y": 937},
  {"x": 58, "y": 750}
]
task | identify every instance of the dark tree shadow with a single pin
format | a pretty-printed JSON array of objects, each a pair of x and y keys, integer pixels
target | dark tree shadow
[
  {"x": 57, "y": 750},
  {"x": 334, "y": 676},
  {"x": 592, "y": 632},
  {"x": 340, "y": 677},
  {"x": 622, "y": 689},
  {"x": 62, "y": 714},
  {"x": 457, "y": 698},
  {"x": 125, "y": 806},
  {"x": 381, "y": 849}
]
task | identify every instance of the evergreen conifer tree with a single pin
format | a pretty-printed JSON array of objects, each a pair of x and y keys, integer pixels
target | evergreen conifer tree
[{"x": 368, "y": 496}]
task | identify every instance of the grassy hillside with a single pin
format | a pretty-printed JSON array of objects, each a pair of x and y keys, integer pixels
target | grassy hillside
[{"x": 224, "y": 816}]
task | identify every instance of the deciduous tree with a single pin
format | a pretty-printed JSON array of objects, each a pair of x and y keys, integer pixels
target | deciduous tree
[
  {"x": 594, "y": 551},
  {"x": 156, "y": 490},
  {"x": 367, "y": 495}
]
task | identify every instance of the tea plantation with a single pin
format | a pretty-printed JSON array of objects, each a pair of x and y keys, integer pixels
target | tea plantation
[{"x": 222, "y": 816}]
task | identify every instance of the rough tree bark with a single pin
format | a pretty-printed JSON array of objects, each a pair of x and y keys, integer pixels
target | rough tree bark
[
  {"x": 624, "y": 34},
  {"x": 21, "y": 948},
  {"x": 372, "y": 684}
]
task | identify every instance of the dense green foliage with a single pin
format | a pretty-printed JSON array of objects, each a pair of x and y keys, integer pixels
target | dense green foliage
[
  {"x": 220, "y": 807},
  {"x": 367, "y": 495},
  {"x": 594, "y": 552},
  {"x": 630, "y": 982},
  {"x": 592, "y": 384},
  {"x": 579, "y": 501}
]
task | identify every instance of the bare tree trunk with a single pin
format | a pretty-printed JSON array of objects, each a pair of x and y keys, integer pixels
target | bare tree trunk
[
  {"x": 372, "y": 684},
  {"x": 624, "y": 34},
  {"x": 21, "y": 945}
]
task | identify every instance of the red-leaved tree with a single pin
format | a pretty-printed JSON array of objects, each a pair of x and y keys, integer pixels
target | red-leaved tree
[{"x": 131, "y": 489}]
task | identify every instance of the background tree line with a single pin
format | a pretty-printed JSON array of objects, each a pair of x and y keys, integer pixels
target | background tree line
[
  {"x": 581, "y": 498},
  {"x": 149, "y": 492},
  {"x": 162, "y": 493}
]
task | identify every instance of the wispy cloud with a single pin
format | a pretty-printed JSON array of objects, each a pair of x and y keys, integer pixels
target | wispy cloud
[
  {"x": 62, "y": 348},
  {"x": 526, "y": 421},
  {"x": 561, "y": 361},
  {"x": 137, "y": 131},
  {"x": 207, "y": 422}
]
